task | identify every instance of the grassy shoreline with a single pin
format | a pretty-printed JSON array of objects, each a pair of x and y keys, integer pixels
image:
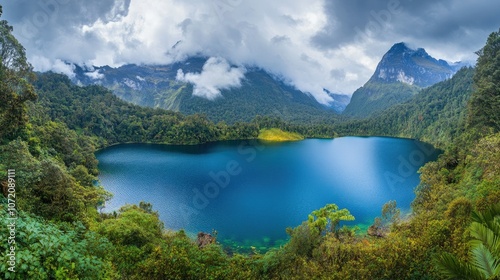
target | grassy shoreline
[{"x": 278, "y": 135}]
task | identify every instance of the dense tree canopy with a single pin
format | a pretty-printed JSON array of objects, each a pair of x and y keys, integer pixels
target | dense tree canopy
[
  {"x": 485, "y": 102},
  {"x": 15, "y": 87},
  {"x": 436, "y": 115}
]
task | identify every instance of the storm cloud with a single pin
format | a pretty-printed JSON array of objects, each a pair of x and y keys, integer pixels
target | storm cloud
[{"x": 312, "y": 45}]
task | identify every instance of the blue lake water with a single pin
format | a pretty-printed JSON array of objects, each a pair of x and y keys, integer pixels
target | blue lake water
[{"x": 250, "y": 192}]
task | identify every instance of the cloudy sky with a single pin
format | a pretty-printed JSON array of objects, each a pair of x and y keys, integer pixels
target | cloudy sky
[{"x": 311, "y": 44}]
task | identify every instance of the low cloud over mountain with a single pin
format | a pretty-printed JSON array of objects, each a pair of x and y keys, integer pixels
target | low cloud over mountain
[
  {"x": 217, "y": 74},
  {"x": 312, "y": 45}
]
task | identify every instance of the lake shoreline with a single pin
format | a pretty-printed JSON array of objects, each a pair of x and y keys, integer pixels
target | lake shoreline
[{"x": 150, "y": 158}]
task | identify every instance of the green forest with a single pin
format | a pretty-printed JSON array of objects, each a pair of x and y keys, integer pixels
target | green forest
[
  {"x": 50, "y": 130},
  {"x": 375, "y": 96},
  {"x": 436, "y": 114}
]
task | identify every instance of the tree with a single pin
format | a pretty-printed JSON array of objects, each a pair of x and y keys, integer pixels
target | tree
[
  {"x": 484, "y": 260},
  {"x": 48, "y": 250},
  {"x": 319, "y": 220},
  {"x": 391, "y": 213},
  {"x": 390, "y": 216},
  {"x": 133, "y": 232},
  {"x": 484, "y": 106},
  {"x": 15, "y": 87}
]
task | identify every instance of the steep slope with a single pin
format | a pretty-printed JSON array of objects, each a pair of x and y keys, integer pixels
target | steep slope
[
  {"x": 96, "y": 112},
  {"x": 340, "y": 101},
  {"x": 435, "y": 115},
  {"x": 412, "y": 67},
  {"x": 375, "y": 97},
  {"x": 401, "y": 73},
  {"x": 485, "y": 103},
  {"x": 260, "y": 93}
]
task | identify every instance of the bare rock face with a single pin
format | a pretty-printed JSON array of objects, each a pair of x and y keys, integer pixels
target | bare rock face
[
  {"x": 204, "y": 239},
  {"x": 400, "y": 74},
  {"x": 413, "y": 67}
]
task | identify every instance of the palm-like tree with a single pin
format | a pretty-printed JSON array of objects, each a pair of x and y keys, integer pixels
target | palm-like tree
[{"x": 484, "y": 260}]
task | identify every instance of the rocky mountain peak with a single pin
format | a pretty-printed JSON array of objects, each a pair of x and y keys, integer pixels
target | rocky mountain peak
[{"x": 412, "y": 66}]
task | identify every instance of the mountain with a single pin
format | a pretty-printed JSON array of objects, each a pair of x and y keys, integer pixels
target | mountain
[
  {"x": 340, "y": 101},
  {"x": 260, "y": 93},
  {"x": 436, "y": 114},
  {"x": 401, "y": 73},
  {"x": 412, "y": 67}
]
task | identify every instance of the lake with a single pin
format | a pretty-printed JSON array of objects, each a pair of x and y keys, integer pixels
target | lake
[{"x": 250, "y": 191}]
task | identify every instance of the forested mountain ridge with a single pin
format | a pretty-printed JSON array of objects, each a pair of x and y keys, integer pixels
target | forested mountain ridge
[
  {"x": 436, "y": 115},
  {"x": 96, "y": 112},
  {"x": 375, "y": 97},
  {"x": 260, "y": 93},
  {"x": 400, "y": 74}
]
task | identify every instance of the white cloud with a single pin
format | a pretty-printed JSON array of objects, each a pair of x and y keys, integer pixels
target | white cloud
[
  {"x": 60, "y": 66},
  {"x": 273, "y": 35},
  {"x": 302, "y": 41},
  {"x": 216, "y": 75},
  {"x": 95, "y": 75},
  {"x": 56, "y": 66}
]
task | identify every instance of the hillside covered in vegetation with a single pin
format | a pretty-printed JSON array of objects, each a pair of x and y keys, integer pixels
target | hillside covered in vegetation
[
  {"x": 260, "y": 93},
  {"x": 436, "y": 115}
]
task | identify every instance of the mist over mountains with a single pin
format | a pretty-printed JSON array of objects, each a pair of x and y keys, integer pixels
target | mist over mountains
[
  {"x": 195, "y": 86},
  {"x": 231, "y": 93}
]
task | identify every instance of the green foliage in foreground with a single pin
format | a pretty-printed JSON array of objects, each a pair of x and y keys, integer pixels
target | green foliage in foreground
[
  {"x": 485, "y": 249},
  {"x": 330, "y": 215},
  {"x": 47, "y": 250},
  {"x": 485, "y": 102},
  {"x": 15, "y": 87}
]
